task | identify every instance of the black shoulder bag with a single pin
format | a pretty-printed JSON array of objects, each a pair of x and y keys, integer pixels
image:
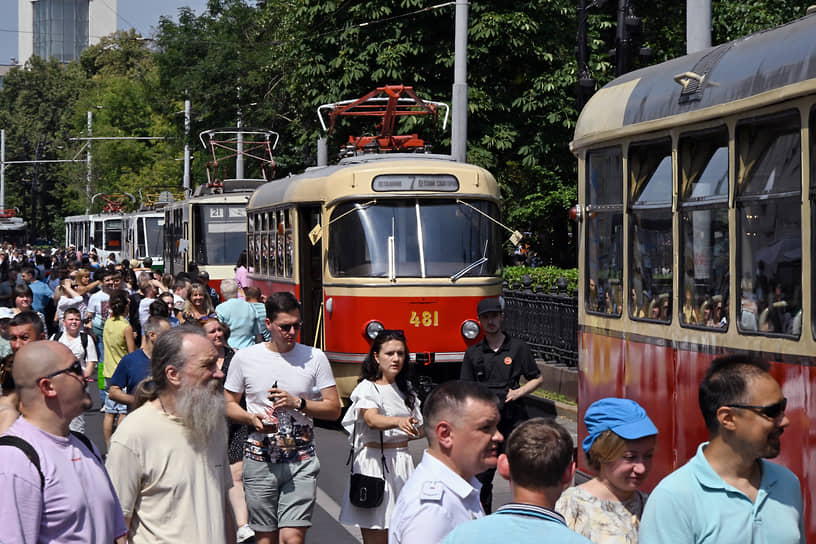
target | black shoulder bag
[{"x": 366, "y": 491}]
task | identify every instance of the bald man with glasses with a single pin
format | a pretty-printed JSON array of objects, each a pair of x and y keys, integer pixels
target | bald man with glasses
[{"x": 44, "y": 464}]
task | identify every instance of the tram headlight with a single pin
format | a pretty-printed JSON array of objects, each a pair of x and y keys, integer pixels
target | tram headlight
[
  {"x": 470, "y": 329},
  {"x": 373, "y": 329}
]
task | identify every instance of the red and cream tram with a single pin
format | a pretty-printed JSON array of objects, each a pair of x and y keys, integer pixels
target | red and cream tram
[{"x": 697, "y": 200}]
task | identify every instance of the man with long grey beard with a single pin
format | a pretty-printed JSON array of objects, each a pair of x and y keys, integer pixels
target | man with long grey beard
[{"x": 168, "y": 459}]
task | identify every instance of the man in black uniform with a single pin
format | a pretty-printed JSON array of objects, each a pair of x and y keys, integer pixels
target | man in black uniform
[{"x": 499, "y": 361}]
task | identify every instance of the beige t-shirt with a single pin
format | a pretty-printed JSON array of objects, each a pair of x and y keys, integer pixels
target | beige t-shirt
[{"x": 172, "y": 492}]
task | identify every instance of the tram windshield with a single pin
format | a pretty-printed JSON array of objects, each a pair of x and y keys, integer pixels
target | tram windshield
[
  {"x": 220, "y": 233},
  {"x": 428, "y": 238},
  {"x": 153, "y": 232}
]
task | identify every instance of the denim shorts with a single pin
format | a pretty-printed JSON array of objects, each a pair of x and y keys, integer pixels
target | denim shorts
[
  {"x": 280, "y": 494},
  {"x": 111, "y": 406}
]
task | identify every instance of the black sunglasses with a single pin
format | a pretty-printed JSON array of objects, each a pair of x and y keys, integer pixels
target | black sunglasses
[
  {"x": 208, "y": 317},
  {"x": 290, "y": 326},
  {"x": 75, "y": 368},
  {"x": 771, "y": 411}
]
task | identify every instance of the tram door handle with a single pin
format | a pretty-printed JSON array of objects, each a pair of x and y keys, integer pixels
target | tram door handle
[{"x": 392, "y": 261}]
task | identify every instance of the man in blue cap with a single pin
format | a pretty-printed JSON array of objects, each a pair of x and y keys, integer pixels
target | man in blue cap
[
  {"x": 728, "y": 493},
  {"x": 499, "y": 361}
]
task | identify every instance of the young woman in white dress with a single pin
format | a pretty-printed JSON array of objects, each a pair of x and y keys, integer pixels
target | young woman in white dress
[{"x": 383, "y": 401}]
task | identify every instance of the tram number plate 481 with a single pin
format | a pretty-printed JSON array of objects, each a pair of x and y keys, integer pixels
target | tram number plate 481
[{"x": 425, "y": 319}]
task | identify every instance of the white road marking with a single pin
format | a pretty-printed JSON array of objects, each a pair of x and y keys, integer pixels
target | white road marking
[{"x": 333, "y": 509}]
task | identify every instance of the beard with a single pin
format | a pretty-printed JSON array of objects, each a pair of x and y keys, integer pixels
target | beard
[{"x": 201, "y": 411}]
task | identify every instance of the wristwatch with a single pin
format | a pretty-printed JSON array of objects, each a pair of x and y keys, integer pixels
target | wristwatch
[{"x": 302, "y": 404}]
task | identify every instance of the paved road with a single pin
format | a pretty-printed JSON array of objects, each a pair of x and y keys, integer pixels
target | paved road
[{"x": 332, "y": 448}]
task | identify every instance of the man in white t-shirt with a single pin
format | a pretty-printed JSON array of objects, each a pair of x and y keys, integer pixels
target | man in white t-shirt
[
  {"x": 82, "y": 346},
  {"x": 279, "y": 379}
]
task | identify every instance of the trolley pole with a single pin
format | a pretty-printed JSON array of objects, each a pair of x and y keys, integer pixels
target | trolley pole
[
  {"x": 698, "y": 25},
  {"x": 460, "y": 89},
  {"x": 88, "y": 175},
  {"x": 187, "y": 113}
]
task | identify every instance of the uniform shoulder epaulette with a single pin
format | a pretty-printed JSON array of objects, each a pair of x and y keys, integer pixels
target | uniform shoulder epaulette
[{"x": 432, "y": 491}]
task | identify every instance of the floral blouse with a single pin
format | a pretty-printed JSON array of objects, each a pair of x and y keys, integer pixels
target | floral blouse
[{"x": 602, "y": 521}]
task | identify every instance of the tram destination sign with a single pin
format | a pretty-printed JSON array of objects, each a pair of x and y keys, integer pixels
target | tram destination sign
[{"x": 415, "y": 182}]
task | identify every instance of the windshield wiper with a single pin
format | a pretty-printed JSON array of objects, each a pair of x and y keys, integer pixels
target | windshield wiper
[
  {"x": 468, "y": 268},
  {"x": 471, "y": 266}
]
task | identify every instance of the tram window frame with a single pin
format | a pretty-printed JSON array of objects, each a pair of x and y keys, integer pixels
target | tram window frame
[
  {"x": 750, "y": 132},
  {"x": 696, "y": 153},
  {"x": 812, "y": 181},
  {"x": 604, "y": 198},
  {"x": 650, "y": 205}
]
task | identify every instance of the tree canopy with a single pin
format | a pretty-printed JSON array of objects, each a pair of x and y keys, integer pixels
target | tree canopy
[{"x": 271, "y": 63}]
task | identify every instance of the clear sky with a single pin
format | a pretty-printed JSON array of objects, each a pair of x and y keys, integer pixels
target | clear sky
[{"x": 143, "y": 15}]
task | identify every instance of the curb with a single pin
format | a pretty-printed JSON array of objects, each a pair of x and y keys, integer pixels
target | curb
[{"x": 566, "y": 410}]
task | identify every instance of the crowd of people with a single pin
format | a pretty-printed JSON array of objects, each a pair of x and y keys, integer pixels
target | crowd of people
[{"x": 209, "y": 409}]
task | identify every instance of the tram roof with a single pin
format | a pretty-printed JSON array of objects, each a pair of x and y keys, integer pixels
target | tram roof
[
  {"x": 762, "y": 62},
  {"x": 353, "y": 175}
]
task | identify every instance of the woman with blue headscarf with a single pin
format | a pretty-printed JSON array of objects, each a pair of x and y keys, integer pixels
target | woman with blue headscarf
[{"x": 619, "y": 446}]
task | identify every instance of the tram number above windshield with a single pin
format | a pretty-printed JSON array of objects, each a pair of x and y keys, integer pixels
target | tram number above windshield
[{"x": 426, "y": 319}]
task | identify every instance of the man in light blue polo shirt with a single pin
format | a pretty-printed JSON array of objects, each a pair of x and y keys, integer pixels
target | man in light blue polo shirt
[
  {"x": 728, "y": 493},
  {"x": 240, "y": 317},
  {"x": 539, "y": 464}
]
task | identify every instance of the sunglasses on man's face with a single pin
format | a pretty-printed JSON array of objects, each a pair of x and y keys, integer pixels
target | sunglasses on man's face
[
  {"x": 75, "y": 368},
  {"x": 289, "y": 327},
  {"x": 771, "y": 411}
]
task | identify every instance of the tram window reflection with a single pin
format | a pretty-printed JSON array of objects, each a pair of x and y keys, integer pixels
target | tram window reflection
[
  {"x": 431, "y": 238},
  {"x": 769, "y": 258},
  {"x": 651, "y": 248},
  {"x": 604, "y": 231}
]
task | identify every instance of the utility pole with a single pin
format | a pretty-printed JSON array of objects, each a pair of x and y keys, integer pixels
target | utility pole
[
  {"x": 698, "y": 25},
  {"x": 460, "y": 89},
  {"x": 89, "y": 172},
  {"x": 3, "y": 169},
  {"x": 187, "y": 115},
  {"x": 239, "y": 160}
]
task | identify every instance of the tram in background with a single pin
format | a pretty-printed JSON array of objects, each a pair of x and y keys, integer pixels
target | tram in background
[
  {"x": 697, "y": 207},
  {"x": 404, "y": 241},
  {"x": 209, "y": 227},
  {"x": 100, "y": 232},
  {"x": 13, "y": 229}
]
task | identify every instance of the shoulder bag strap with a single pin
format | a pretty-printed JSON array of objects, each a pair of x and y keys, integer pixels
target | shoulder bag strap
[{"x": 28, "y": 450}]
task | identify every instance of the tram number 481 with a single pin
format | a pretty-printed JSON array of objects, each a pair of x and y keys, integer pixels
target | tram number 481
[{"x": 426, "y": 319}]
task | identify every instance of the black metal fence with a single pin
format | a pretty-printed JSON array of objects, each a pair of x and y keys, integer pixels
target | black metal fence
[{"x": 548, "y": 322}]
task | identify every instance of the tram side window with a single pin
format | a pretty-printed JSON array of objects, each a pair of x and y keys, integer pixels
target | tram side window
[
  {"x": 769, "y": 252},
  {"x": 650, "y": 189},
  {"x": 604, "y": 227},
  {"x": 703, "y": 170},
  {"x": 290, "y": 255}
]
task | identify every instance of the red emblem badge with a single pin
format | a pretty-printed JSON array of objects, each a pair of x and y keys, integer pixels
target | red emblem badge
[{"x": 508, "y": 361}]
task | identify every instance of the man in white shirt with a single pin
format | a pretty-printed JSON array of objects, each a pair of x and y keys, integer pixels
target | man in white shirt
[
  {"x": 461, "y": 424},
  {"x": 82, "y": 346},
  {"x": 279, "y": 379}
]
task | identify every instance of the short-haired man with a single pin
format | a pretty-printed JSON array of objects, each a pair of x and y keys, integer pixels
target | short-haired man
[
  {"x": 279, "y": 379},
  {"x": 240, "y": 317},
  {"x": 499, "y": 361},
  {"x": 539, "y": 463},
  {"x": 253, "y": 296},
  {"x": 41, "y": 501},
  {"x": 97, "y": 313},
  {"x": 42, "y": 293},
  {"x": 83, "y": 349},
  {"x": 728, "y": 492},
  {"x": 168, "y": 459},
  {"x": 461, "y": 424},
  {"x": 204, "y": 279},
  {"x": 135, "y": 366},
  {"x": 180, "y": 288}
]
